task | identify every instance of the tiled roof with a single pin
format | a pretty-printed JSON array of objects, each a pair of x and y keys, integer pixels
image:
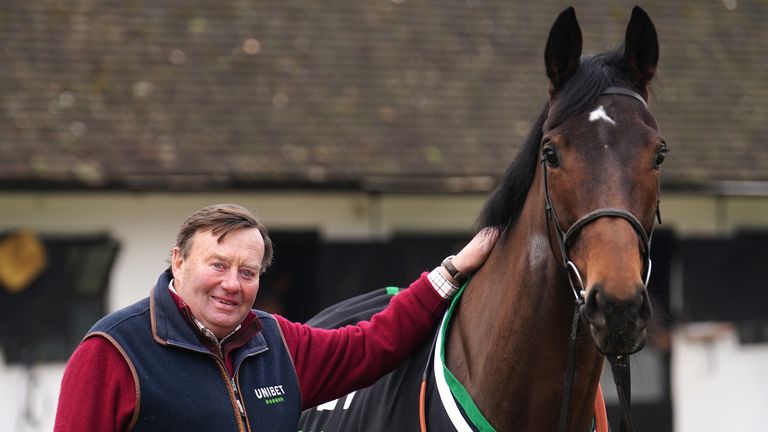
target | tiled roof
[{"x": 397, "y": 95}]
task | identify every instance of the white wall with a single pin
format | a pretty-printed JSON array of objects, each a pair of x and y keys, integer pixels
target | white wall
[
  {"x": 145, "y": 226},
  {"x": 720, "y": 385},
  {"x": 28, "y": 396}
]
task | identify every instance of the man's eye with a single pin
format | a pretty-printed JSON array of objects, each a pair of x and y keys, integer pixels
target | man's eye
[
  {"x": 248, "y": 274},
  {"x": 218, "y": 266}
]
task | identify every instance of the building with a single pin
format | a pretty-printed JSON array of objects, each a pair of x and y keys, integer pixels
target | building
[{"x": 354, "y": 129}]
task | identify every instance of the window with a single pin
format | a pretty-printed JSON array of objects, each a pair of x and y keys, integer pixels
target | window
[
  {"x": 48, "y": 317},
  {"x": 724, "y": 278}
]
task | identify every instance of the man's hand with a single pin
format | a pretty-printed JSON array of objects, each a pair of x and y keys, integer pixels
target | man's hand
[{"x": 474, "y": 254}]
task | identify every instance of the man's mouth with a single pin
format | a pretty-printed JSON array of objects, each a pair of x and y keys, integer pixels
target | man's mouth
[{"x": 222, "y": 301}]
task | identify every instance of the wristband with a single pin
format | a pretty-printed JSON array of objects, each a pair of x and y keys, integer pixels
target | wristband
[{"x": 443, "y": 286}]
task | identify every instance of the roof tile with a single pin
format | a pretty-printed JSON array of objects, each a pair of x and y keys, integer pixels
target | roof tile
[{"x": 402, "y": 96}]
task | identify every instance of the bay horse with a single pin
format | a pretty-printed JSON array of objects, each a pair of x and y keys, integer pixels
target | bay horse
[{"x": 523, "y": 347}]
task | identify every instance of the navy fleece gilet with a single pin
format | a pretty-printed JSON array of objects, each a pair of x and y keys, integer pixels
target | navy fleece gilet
[{"x": 183, "y": 386}]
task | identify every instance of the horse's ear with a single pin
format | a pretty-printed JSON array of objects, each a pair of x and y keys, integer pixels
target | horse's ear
[
  {"x": 641, "y": 48},
  {"x": 563, "y": 50}
]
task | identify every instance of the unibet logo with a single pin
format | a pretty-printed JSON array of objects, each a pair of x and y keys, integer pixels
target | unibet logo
[{"x": 270, "y": 395}]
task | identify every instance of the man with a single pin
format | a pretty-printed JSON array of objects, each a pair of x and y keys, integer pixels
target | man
[{"x": 195, "y": 356}]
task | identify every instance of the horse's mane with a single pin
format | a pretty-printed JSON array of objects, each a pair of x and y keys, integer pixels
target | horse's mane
[{"x": 594, "y": 74}]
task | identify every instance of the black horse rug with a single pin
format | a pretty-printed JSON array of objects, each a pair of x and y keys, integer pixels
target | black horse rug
[{"x": 392, "y": 403}]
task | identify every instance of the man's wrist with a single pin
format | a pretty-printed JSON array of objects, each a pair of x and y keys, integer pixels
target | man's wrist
[{"x": 456, "y": 277}]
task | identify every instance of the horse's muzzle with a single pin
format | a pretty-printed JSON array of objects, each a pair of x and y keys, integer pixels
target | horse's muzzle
[{"x": 617, "y": 326}]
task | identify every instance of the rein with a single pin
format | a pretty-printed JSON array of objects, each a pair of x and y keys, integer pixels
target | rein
[{"x": 619, "y": 363}]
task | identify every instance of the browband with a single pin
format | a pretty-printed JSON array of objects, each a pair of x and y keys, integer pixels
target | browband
[{"x": 625, "y": 92}]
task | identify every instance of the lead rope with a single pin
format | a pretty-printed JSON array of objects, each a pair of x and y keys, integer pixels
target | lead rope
[
  {"x": 423, "y": 389},
  {"x": 621, "y": 376},
  {"x": 570, "y": 369}
]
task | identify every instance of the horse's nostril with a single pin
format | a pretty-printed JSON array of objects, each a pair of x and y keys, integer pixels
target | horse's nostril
[{"x": 594, "y": 308}]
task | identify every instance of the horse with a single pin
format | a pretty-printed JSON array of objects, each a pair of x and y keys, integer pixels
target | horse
[{"x": 523, "y": 346}]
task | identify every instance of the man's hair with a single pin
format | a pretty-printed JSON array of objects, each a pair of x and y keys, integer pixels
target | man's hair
[{"x": 220, "y": 219}]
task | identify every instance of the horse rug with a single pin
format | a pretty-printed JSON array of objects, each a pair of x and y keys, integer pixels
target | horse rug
[{"x": 392, "y": 403}]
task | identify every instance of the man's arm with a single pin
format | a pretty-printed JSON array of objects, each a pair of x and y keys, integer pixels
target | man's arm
[
  {"x": 98, "y": 392},
  {"x": 331, "y": 363}
]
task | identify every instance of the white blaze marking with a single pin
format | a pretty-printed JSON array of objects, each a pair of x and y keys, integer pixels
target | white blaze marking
[{"x": 600, "y": 114}]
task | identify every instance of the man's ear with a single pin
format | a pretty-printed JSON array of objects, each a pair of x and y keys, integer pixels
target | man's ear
[{"x": 176, "y": 260}]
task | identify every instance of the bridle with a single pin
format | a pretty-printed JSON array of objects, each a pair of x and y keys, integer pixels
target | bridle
[
  {"x": 563, "y": 236},
  {"x": 619, "y": 364}
]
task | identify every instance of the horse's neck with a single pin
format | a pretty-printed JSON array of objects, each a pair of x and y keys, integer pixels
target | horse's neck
[{"x": 509, "y": 339}]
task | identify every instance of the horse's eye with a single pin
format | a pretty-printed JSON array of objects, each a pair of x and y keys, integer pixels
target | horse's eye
[
  {"x": 550, "y": 156},
  {"x": 660, "y": 156}
]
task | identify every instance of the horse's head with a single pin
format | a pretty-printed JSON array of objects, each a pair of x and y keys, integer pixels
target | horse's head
[{"x": 600, "y": 153}]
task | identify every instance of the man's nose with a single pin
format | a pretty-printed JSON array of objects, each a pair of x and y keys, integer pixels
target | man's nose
[{"x": 231, "y": 280}]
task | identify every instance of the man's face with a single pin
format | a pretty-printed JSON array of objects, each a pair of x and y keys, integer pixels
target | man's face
[{"x": 219, "y": 281}]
